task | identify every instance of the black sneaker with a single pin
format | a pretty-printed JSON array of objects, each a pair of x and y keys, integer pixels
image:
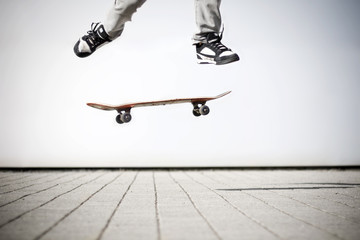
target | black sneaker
[
  {"x": 95, "y": 38},
  {"x": 213, "y": 51}
]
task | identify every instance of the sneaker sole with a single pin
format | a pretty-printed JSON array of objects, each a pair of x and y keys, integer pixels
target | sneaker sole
[{"x": 226, "y": 60}]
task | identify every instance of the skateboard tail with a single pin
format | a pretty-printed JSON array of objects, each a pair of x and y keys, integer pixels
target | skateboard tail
[
  {"x": 100, "y": 106},
  {"x": 223, "y": 94}
]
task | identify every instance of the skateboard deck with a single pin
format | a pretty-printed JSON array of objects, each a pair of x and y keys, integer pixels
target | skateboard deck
[{"x": 124, "y": 116}]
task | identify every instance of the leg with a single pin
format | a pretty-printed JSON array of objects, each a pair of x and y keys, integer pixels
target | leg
[
  {"x": 207, "y": 38},
  {"x": 119, "y": 14},
  {"x": 101, "y": 34},
  {"x": 208, "y": 18}
]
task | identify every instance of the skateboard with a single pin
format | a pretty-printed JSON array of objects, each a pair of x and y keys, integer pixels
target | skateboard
[{"x": 124, "y": 116}]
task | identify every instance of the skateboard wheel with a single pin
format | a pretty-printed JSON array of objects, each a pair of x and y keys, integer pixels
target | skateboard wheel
[
  {"x": 118, "y": 119},
  {"x": 196, "y": 112},
  {"x": 204, "y": 110},
  {"x": 126, "y": 117}
]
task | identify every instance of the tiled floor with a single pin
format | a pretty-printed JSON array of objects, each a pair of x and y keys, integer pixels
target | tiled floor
[{"x": 180, "y": 204}]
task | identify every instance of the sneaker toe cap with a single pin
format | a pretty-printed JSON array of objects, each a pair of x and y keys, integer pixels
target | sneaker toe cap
[
  {"x": 83, "y": 46},
  {"x": 227, "y": 53},
  {"x": 82, "y": 49}
]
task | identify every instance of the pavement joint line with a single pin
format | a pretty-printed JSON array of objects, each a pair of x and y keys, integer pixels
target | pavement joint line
[
  {"x": 346, "y": 195},
  {"x": 42, "y": 190},
  {"x": 341, "y": 203},
  {"x": 193, "y": 203},
  {"x": 235, "y": 207},
  {"x": 26, "y": 176},
  {"x": 25, "y": 181},
  {"x": 43, "y": 204},
  {"x": 324, "y": 230},
  {"x": 77, "y": 207},
  {"x": 5, "y": 176},
  {"x": 287, "y": 188},
  {"x": 32, "y": 185},
  {"x": 156, "y": 209},
  {"x": 116, "y": 208},
  {"x": 299, "y": 219},
  {"x": 314, "y": 207}
]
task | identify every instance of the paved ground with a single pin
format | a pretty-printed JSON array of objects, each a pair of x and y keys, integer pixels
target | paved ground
[{"x": 206, "y": 204}]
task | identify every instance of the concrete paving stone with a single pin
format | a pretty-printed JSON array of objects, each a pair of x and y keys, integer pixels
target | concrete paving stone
[
  {"x": 227, "y": 221},
  {"x": 283, "y": 225},
  {"x": 31, "y": 182},
  {"x": 15, "y": 218},
  {"x": 332, "y": 224},
  {"x": 18, "y": 182},
  {"x": 17, "y": 194},
  {"x": 336, "y": 196},
  {"x": 6, "y": 174},
  {"x": 312, "y": 199},
  {"x": 135, "y": 217},
  {"x": 14, "y": 175},
  {"x": 336, "y": 225},
  {"x": 49, "y": 214},
  {"x": 180, "y": 204},
  {"x": 350, "y": 192},
  {"x": 89, "y": 220},
  {"x": 177, "y": 216}
]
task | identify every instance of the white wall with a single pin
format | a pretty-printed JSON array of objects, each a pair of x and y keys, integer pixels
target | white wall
[{"x": 295, "y": 98}]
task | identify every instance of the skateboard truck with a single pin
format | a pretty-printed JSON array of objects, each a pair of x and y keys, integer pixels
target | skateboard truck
[
  {"x": 200, "y": 110},
  {"x": 124, "y": 116}
]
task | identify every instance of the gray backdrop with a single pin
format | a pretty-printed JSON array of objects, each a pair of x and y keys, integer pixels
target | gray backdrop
[{"x": 295, "y": 98}]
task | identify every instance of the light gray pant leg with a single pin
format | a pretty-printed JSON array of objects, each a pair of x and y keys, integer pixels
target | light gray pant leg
[
  {"x": 208, "y": 18},
  {"x": 120, "y": 13}
]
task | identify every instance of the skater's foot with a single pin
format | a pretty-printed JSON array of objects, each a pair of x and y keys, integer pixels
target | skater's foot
[
  {"x": 214, "y": 52},
  {"x": 95, "y": 38}
]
